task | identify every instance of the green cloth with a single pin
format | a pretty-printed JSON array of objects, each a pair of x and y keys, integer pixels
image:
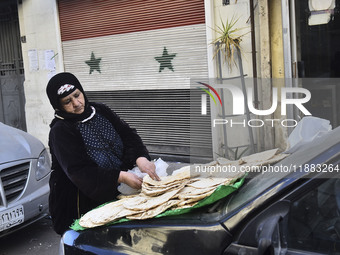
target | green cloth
[{"x": 220, "y": 192}]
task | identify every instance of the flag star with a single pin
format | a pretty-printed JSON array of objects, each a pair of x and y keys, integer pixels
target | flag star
[
  {"x": 94, "y": 63},
  {"x": 165, "y": 60}
]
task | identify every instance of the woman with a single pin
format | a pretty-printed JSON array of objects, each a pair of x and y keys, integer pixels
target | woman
[{"x": 91, "y": 149}]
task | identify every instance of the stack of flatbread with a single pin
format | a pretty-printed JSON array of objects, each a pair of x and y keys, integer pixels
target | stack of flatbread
[
  {"x": 175, "y": 191},
  {"x": 181, "y": 190},
  {"x": 198, "y": 189}
]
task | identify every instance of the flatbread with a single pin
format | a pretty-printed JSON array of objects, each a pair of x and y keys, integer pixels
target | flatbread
[
  {"x": 276, "y": 158},
  {"x": 167, "y": 179},
  {"x": 102, "y": 215},
  {"x": 133, "y": 202},
  {"x": 192, "y": 199},
  {"x": 209, "y": 182},
  {"x": 151, "y": 202},
  {"x": 161, "y": 185},
  {"x": 159, "y": 190},
  {"x": 189, "y": 192},
  {"x": 153, "y": 212},
  {"x": 258, "y": 158},
  {"x": 187, "y": 204},
  {"x": 121, "y": 196}
]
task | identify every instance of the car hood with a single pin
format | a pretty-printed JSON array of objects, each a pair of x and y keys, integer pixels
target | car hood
[{"x": 16, "y": 144}]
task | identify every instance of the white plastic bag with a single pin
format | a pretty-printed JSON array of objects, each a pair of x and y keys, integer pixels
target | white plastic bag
[
  {"x": 307, "y": 130},
  {"x": 161, "y": 167}
]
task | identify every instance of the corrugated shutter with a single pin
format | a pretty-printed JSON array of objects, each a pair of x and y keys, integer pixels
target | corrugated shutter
[
  {"x": 169, "y": 121},
  {"x": 86, "y": 19},
  {"x": 127, "y": 61}
]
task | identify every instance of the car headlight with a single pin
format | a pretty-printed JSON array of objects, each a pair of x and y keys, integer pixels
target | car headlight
[{"x": 43, "y": 166}]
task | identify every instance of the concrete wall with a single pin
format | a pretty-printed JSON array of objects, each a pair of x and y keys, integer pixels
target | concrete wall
[
  {"x": 39, "y": 24},
  {"x": 225, "y": 134},
  {"x": 239, "y": 10}
]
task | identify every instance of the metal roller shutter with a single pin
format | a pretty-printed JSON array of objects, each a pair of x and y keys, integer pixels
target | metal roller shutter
[
  {"x": 169, "y": 121},
  {"x": 128, "y": 61},
  {"x": 87, "y": 19}
]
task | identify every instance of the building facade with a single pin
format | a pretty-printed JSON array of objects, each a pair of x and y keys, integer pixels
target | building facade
[{"x": 143, "y": 59}]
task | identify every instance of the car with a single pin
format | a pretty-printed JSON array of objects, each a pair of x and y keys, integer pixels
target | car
[
  {"x": 293, "y": 208},
  {"x": 24, "y": 174}
]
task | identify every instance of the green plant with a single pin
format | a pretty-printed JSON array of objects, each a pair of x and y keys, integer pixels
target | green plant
[{"x": 228, "y": 40}]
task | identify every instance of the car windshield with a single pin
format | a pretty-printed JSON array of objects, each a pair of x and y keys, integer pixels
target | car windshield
[{"x": 254, "y": 186}]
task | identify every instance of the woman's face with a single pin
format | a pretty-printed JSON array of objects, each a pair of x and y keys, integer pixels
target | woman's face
[{"x": 74, "y": 102}]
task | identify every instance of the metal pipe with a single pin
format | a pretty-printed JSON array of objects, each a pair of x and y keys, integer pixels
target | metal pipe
[
  {"x": 251, "y": 137},
  {"x": 253, "y": 52},
  {"x": 220, "y": 78}
]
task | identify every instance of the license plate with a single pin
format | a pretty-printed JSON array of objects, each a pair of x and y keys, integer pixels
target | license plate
[{"x": 11, "y": 217}]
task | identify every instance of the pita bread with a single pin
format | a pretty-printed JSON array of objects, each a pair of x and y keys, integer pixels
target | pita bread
[
  {"x": 153, "y": 212},
  {"x": 260, "y": 157},
  {"x": 187, "y": 169},
  {"x": 256, "y": 158},
  {"x": 188, "y": 204},
  {"x": 255, "y": 166},
  {"x": 167, "y": 179},
  {"x": 151, "y": 202},
  {"x": 133, "y": 202},
  {"x": 161, "y": 185},
  {"x": 189, "y": 192},
  {"x": 208, "y": 182},
  {"x": 159, "y": 190},
  {"x": 121, "y": 196},
  {"x": 192, "y": 199},
  {"x": 276, "y": 158},
  {"x": 102, "y": 215}
]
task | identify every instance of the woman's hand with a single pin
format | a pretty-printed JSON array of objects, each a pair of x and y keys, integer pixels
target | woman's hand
[
  {"x": 130, "y": 179},
  {"x": 145, "y": 166}
]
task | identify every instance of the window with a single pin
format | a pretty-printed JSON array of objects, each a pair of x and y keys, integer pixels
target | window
[
  {"x": 314, "y": 220},
  {"x": 225, "y": 2}
]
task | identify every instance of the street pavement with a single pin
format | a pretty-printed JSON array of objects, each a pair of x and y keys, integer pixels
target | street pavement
[{"x": 36, "y": 239}]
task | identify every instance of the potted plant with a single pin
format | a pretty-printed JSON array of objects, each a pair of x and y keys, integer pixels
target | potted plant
[{"x": 229, "y": 40}]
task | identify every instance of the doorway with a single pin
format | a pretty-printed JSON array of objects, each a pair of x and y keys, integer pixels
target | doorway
[
  {"x": 12, "y": 99},
  {"x": 317, "y": 25}
]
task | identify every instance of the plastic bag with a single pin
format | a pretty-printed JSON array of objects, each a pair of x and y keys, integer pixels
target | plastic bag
[
  {"x": 307, "y": 130},
  {"x": 161, "y": 167}
]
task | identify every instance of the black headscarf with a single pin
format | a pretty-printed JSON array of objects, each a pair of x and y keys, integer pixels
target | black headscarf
[{"x": 61, "y": 85}]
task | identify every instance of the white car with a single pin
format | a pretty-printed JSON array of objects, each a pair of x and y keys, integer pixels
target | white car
[{"x": 24, "y": 174}]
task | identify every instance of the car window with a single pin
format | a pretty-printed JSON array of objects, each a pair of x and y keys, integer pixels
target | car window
[{"x": 314, "y": 220}]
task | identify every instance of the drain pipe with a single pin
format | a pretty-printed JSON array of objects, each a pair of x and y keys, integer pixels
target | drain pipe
[{"x": 253, "y": 52}]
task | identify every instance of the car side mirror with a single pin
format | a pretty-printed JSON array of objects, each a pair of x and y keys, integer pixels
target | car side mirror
[
  {"x": 266, "y": 234},
  {"x": 257, "y": 236}
]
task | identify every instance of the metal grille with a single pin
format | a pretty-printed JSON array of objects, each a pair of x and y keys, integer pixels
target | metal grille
[
  {"x": 14, "y": 180},
  {"x": 165, "y": 119},
  {"x": 11, "y": 62},
  {"x": 12, "y": 99}
]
